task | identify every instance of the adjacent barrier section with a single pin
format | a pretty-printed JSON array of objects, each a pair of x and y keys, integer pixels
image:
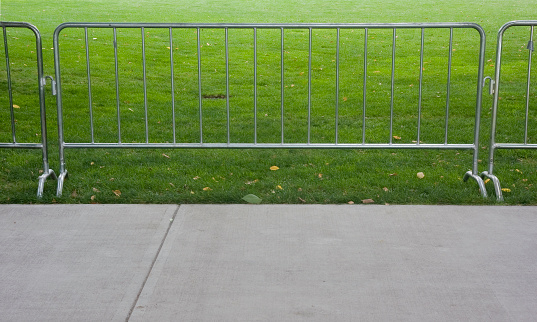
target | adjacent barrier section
[
  {"x": 519, "y": 102},
  {"x": 19, "y": 83},
  {"x": 307, "y": 86}
]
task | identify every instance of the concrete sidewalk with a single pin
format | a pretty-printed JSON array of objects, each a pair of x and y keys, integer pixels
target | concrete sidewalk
[{"x": 267, "y": 263}]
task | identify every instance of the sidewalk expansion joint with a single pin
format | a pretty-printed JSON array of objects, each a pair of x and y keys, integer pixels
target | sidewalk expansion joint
[{"x": 172, "y": 220}]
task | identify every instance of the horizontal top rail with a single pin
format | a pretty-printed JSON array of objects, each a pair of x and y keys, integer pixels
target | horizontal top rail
[
  {"x": 272, "y": 25},
  {"x": 522, "y": 23}
]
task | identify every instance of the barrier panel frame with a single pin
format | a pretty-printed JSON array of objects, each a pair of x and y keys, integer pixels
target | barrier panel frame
[
  {"x": 495, "y": 87},
  {"x": 473, "y": 173},
  {"x": 41, "y": 83}
]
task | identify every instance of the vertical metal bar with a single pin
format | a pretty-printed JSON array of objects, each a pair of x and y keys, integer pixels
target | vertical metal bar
[
  {"x": 227, "y": 86},
  {"x": 282, "y": 82},
  {"x": 172, "y": 76},
  {"x": 421, "y": 84},
  {"x": 309, "y": 85},
  {"x": 337, "y": 84},
  {"x": 43, "y": 115},
  {"x": 117, "y": 87},
  {"x": 8, "y": 71},
  {"x": 494, "y": 114},
  {"x": 255, "y": 85},
  {"x": 145, "y": 87},
  {"x": 90, "y": 98},
  {"x": 477, "y": 126},
  {"x": 393, "y": 86},
  {"x": 448, "y": 90},
  {"x": 199, "y": 85},
  {"x": 59, "y": 108},
  {"x": 528, "y": 87},
  {"x": 365, "y": 85}
]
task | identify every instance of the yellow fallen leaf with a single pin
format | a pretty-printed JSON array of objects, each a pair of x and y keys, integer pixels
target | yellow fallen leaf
[
  {"x": 16, "y": 106},
  {"x": 117, "y": 192},
  {"x": 506, "y": 190},
  {"x": 397, "y": 137},
  {"x": 274, "y": 168},
  {"x": 279, "y": 187},
  {"x": 487, "y": 181},
  {"x": 207, "y": 189}
]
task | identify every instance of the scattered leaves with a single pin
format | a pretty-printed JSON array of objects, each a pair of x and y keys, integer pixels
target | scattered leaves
[
  {"x": 117, "y": 192},
  {"x": 397, "y": 137},
  {"x": 251, "y": 199},
  {"x": 274, "y": 168},
  {"x": 196, "y": 178},
  {"x": 368, "y": 201},
  {"x": 420, "y": 175},
  {"x": 207, "y": 189},
  {"x": 506, "y": 190}
]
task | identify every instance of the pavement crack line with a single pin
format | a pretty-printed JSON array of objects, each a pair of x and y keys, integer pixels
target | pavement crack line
[{"x": 172, "y": 220}]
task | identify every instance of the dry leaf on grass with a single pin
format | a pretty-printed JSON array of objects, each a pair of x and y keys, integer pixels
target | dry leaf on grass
[
  {"x": 420, "y": 175},
  {"x": 366, "y": 201},
  {"x": 117, "y": 192},
  {"x": 274, "y": 168}
]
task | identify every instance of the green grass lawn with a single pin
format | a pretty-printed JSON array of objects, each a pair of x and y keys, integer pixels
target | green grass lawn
[{"x": 303, "y": 176}]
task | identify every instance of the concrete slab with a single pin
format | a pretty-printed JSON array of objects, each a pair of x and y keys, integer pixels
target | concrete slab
[
  {"x": 77, "y": 262},
  {"x": 332, "y": 263}
]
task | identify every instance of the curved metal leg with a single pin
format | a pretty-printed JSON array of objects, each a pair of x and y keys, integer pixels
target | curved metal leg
[
  {"x": 61, "y": 179},
  {"x": 497, "y": 186},
  {"x": 479, "y": 181},
  {"x": 42, "y": 179}
]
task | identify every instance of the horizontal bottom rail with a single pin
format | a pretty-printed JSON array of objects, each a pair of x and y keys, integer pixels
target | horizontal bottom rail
[
  {"x": 270, "y": 146},
  {"x": 22, "y": 145},
  {"x": 515, "y": 146}
]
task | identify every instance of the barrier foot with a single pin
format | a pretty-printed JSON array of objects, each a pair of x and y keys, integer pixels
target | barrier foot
[
  {"x": 497, "y": 186},
  {"x": 42, "y": 179},
  {"x": 61, "y": 179},
  {"x": 479, "y": 181}
]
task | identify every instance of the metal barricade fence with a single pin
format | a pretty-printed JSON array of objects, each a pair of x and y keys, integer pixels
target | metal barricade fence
[
  {"x": 40, "y": 82},
  {"x": 524, "y": 140},
  {"x": 280, "y": 58}
]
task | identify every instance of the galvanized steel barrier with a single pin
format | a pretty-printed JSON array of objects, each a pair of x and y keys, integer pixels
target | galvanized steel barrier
[
  {"x": 525, "y": 139},
  {"x": 40, "y": 83},
  {"x": 85, "y": 33}
]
